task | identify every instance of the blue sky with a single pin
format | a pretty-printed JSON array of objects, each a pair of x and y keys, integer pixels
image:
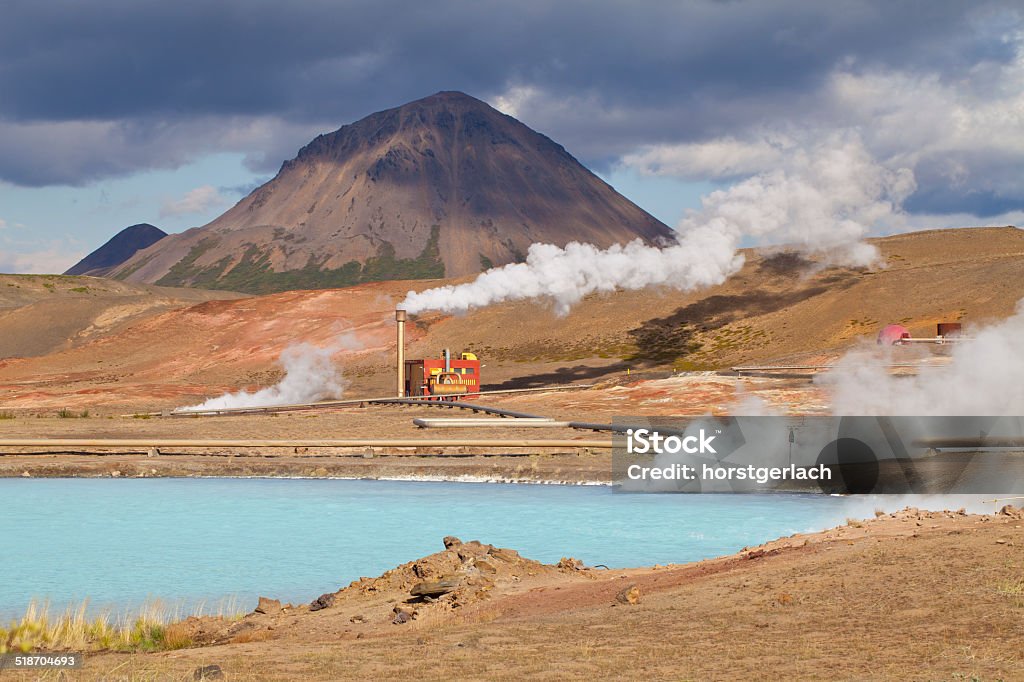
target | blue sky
[{"x": 116, "y": 112}]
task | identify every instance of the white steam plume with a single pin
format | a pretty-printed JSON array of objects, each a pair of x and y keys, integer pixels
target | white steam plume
[
  {"x": 822, "y": 202},
  {"x": 310, "y": 375},
  {"x": 986, "y": 377}
]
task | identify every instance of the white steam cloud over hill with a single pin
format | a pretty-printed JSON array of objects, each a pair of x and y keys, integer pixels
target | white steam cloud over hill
[
  {"x": 986, "y": 377},
  {"x": 821, "y": 201}
]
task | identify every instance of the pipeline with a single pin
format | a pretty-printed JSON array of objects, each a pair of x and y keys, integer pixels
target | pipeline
[
  {"x": 940, "y": 442},
  {"x": 502, "y": 422},
  {"x": 328, "y": 404},
  {"x": 529, "y": 421},
  {"x": 156, "y": 443},
  {"x": 455, "y": 403}
]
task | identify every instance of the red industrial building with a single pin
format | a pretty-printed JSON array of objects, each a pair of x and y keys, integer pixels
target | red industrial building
[
  {"x": 442, "y": 376},
  {"x": 898, "y": 335}
]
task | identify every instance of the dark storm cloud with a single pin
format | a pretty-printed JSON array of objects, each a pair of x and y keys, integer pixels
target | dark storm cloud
[
  {"x": 104, "y": 60},
  {"x": 166, "y": 80}
]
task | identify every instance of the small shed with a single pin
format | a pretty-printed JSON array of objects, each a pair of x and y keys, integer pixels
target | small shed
[{"x": 891, "y": 334}]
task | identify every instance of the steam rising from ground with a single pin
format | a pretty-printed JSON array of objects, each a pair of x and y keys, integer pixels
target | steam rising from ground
[
  {"x": 822, "y": 201},
  {"x": 986, "y": 377},
  {"x": 864, "y": 506},
  {"x": 310, "y": 375}
]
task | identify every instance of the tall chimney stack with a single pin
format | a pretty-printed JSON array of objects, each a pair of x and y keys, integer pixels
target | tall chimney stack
[{"x": 400, "y": 318}]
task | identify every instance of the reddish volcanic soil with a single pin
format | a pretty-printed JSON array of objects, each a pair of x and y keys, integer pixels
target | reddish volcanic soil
[{"x": 777, "y": 309}]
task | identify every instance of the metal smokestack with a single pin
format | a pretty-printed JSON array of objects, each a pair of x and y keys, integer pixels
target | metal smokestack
[{"x": 400, "y": 318}]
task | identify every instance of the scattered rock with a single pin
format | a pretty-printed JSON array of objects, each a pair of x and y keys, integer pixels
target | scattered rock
[
  {"x": 570, "y": 564},
  {"x": 628, "y": 595},
  {"x": 436, "y": 588},
  {"x": 485, "y": 566},
  {"x": 357, "y": 619},
  {"x": 402, "y": 616},
  {"x": 268, "y": 606},
  {"x": 451, "y": 541},
  {"x": 472, "y": 549},
  {"x": 507, "y": 555},
  {"x": 208, "y": 672},
  {"x": 322, "y": 602},
  {"x": 1010, "y": 510}
]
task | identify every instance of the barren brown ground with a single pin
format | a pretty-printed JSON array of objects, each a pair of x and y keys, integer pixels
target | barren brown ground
[
  {"x": 681, "y": 395},
  {"x": 41, "y": 314},
  {"x": 908, "y": 596},
  {"x": 777, "y": 308}
]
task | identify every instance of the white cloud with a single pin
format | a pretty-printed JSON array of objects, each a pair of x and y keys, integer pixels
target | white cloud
[
  {"x": 54, "y": 259},
  {"x": 3, "y": 223},
  {"x": 515, "y": 99},
  {"x": 938, "y": 221},
  {"x": 78, "y": 152},
  {"x": 199, "y": 200},
  {"x": 963, "y": 138},
  {"x": 726, "y": 157}
]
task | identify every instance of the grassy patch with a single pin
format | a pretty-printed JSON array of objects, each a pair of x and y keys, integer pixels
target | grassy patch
[
  {"x": 1013, "y": 589},
  {"x": 73, "y": 630},
  {"x": 125, "y": 274},
  {"x": 65, "y": 413}
]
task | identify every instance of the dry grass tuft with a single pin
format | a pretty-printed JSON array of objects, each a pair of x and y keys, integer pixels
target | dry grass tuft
[
  {"x": 153, "y": 627},
  {"x": 1012, "y": 589}
]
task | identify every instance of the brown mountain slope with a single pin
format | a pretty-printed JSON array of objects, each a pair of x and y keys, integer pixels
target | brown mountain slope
[
  {"x": 776, "y": 307},
  {"x": 443, "y": 186}
]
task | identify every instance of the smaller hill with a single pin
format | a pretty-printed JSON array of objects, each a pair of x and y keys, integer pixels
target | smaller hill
[
  {"x": 41, "y": 314},
  {"x": 120, "y": 248}
]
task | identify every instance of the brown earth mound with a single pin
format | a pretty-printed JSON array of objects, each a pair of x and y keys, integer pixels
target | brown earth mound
[{"x": 42, "y": 314}]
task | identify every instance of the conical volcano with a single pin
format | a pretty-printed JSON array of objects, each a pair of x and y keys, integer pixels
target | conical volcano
[{"x": 441, "y": 187}]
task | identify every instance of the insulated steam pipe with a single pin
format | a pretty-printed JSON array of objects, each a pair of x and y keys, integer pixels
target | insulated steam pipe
[
  {"x": 400, "y": 318},
  {"x": 144, "y": 444}
]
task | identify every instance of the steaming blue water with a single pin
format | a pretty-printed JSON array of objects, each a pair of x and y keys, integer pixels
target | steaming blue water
[{"x": 186, "y": 541}]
